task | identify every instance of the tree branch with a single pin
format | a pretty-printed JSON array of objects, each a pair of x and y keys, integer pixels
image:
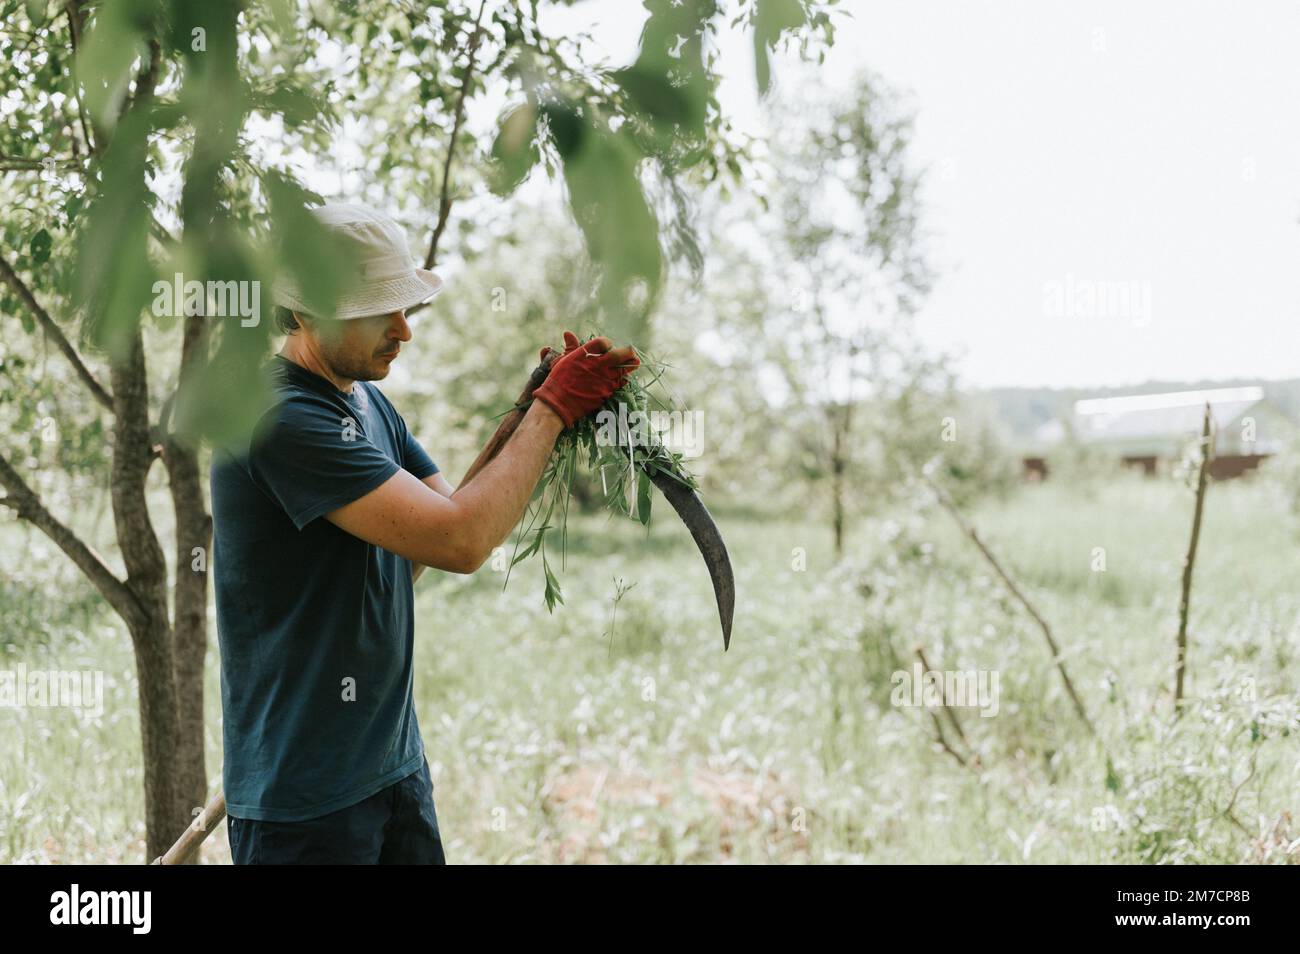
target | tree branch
[
  {"x": 133, "y": 455},
  {"x": 445, "y": 200},
  {"x": 53, "y": 331},
  {"x": 133, "y": 450},
  {"x": 147, "y": 79},
  {"x": 946, "y": 502},
  {"x": 951, "y": 713},
  {"x": 28, "y": 506},
  {"x": 20, "y": 164},
  {"x": 76, "y": 21},
  {"x": 943, "y": 740}
]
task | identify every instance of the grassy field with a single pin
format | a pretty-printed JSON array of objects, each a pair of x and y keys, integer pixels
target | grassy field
[{"x": 553, "y": 738}]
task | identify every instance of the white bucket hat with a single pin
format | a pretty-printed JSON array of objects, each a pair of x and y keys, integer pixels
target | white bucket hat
[{"x": 388, "y": 281}]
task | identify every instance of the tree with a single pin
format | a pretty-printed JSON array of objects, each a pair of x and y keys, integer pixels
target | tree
[
  {"x": 847, "y": 218},
  {"x": 146, "y": 139}
]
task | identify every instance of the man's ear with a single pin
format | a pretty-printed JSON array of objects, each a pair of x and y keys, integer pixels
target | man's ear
[
  {"x": 324, "y": 329},
  {"x": 308, "y": 322}
]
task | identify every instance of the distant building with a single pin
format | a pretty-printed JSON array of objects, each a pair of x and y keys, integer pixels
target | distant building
[{"x": 1149, "y": 431}]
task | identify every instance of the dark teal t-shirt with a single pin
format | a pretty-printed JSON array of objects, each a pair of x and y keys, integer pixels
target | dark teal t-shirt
[{"x": 316, "y": 626}]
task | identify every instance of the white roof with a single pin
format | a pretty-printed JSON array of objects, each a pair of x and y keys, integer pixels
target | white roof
[
  {"x": 1152, "y": 402},
  {"x": 1147, "y": 421}
]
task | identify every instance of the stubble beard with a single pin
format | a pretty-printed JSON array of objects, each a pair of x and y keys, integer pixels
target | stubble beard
[{"x": 356, "y": 369}]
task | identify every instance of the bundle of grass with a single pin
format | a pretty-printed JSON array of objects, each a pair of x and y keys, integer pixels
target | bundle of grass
[{"x": 621, "y": 445}]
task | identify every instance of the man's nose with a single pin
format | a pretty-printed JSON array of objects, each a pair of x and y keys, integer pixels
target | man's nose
[{"x": 398, "y": 327}]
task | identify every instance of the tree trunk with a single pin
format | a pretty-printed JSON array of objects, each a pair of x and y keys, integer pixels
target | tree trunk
[
  {"x": 166, "y": 808},
  {"x": 190, "y": 589},
  {"x": 837, "y": 517},
  {"x": 190, "y": 629},
  {"x": 839, "y": 465},
  {"x": 167, "y": 812}
]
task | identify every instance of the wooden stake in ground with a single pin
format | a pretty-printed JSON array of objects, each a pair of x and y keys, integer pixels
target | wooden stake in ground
[
  {"x": 948, "y": 505},
  {"x": 1189, "y": 561}
]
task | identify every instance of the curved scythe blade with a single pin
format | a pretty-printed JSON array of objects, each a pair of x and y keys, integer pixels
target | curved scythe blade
[{"x": 699, "y": 521}]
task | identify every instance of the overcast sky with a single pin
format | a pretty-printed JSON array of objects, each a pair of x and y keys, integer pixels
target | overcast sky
[{"x": 1114, "y": 188}]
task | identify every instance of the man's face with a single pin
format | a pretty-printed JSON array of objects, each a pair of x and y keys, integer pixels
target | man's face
[{"x": 361, "y": 349}]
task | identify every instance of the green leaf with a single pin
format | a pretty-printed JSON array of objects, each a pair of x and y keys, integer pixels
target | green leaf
[
  {"x": 321, "y": 263},
  {"x": 675, "y": 110},
  {"x": 566, "y": 128},
  {"x": 669, "y": 84},
  {"x": 113, "y": 42},
  {"x": 72, "y": 208},
  {"x": 298, "y": 106},
  {"x": 295, "y": 105},
  {"x": 40, "y": 247},
  {"x": 514, "y": 151},
  {"x": 772, "y": 18},
  {"x": 1112, "y": 777},
  {"x": 528, "y": 551},
  {"x": 620, "y": 230},
  {"x": 114, "y": 274},
  {"x": 553, "y": 593},
  {"x": 227, "y": 394},
  {"x": 643, "y": 486}
]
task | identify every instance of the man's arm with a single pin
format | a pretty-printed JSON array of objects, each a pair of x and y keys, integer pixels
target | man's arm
[
  {"x": 436, "y": 481},
  {"x": 458, "y": 532},
  {"x": 442, "y": 485},
  {"x": 504, "y": 431}
]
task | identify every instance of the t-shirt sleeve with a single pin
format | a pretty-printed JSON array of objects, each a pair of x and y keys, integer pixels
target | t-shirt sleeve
[
  {"x": 414, "y": 457},
  {"x": 312, "y": 460}
]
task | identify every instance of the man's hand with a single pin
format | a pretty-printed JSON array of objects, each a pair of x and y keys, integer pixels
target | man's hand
[{"x": 585, "y": 377}]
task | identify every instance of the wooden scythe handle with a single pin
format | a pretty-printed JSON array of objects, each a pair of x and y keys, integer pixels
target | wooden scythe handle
[
  {"x": 512, "y": 419},
  {"x": 202, "y": 826}
]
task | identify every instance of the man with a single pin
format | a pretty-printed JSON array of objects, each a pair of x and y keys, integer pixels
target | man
[{"x": 321, "y": 522}]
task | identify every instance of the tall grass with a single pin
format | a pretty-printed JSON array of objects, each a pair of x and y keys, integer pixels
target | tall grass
[{"x": 552, "y": 738}]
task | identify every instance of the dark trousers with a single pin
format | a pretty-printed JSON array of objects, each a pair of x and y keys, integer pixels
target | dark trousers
[{"x": 394, "y": 826}]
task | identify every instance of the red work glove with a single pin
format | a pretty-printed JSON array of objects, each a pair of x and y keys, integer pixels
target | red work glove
[
  {"x": 585, "y": 377},
  {"x": 570, "y": 343}
]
